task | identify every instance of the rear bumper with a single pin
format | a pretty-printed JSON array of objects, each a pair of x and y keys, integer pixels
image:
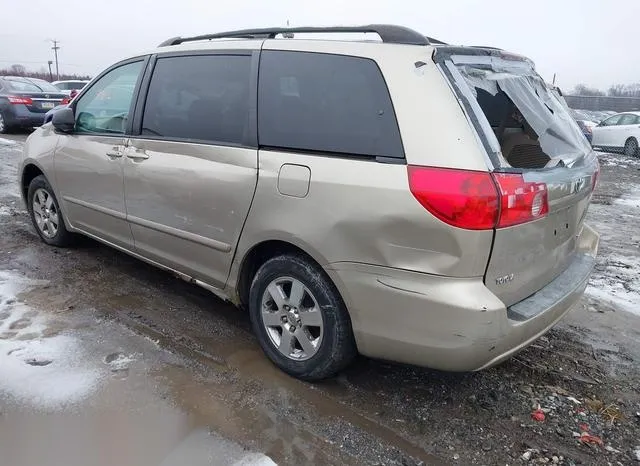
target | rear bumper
[
  {"x": 453, "y": 324},
  {"x": 19, "y": 115}
]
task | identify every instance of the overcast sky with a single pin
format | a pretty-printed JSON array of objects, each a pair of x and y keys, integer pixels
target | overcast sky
[{"x": 584, "y": 41}]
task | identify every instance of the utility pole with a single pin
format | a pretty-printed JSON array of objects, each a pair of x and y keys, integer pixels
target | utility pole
[
  {"x": 50, "y": 73},
  {"x": 55, "y": 51}
]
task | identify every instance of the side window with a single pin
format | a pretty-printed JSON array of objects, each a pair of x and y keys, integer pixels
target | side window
[
  {"x": 326, "y": 103},
  {"x": 200, "y": 97},
  {"x": 627, "y": 120},
  {"x": 612, "y": 121},
  {"x": 105, "y": 106}
]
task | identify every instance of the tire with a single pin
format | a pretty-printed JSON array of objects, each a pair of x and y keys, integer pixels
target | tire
[
  {"x": 631, "y": 147},
  {"x": 330, "y": 346},
  {"x": 4, "y": 126},
  {"x": 44, "y": 211}
]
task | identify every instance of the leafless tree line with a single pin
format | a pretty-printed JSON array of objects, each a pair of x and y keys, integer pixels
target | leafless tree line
[
  {"x": 43, "y": 73},
  {"x": 616, "y": 90}
]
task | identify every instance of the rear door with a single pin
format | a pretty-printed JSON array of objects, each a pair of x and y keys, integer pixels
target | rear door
[
  {"x": 191, "y": 170},
  {"x": 624, "y": 129}
]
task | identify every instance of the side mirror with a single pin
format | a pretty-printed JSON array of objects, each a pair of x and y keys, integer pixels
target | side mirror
[{"x": 64, "y": 120}]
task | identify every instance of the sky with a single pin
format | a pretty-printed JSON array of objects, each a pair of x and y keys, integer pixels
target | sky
[{"x": 594, "y": 42}]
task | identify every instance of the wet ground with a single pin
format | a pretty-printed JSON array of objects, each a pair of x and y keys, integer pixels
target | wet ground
[{"x": 105, "y": 360}]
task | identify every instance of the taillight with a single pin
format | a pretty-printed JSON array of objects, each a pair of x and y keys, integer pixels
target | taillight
[
  {"x": 464, "y": 199},
  {"x": 520, "y": 201},
  {"x": 16, "y": 100},
  {"x": 478, "y": 200},
  {"x": 65, "y": 101}
]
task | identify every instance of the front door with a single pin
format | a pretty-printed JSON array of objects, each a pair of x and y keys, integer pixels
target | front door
[
  {"x": 603, "y": 134},
  {"x": 89, "y": 161},
  {"x": 191, "y": 173}
]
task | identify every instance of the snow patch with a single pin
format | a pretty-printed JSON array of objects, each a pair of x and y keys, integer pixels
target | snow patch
[
  {"x": 630, "y": 199},
  {"x": 615, "y": 282},
  {"x": 120, "y": 362},
  {"x": 7, "y": 142},
  {"x": 44, "y": 372},
  {"x": 255, "y": 459},
  {"x": 617, "y": 296}
]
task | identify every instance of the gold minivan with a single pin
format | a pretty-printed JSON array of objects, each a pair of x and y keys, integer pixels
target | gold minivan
[{"x": 400, "y": 198}]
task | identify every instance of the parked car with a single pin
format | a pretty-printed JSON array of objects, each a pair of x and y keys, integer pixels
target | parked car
[
  {"x": 619, "y": 132},
  {"x": 24, "y": 101},
  {"x": 70, "y": 87},
  {"x": 49, "y": 115},
  {"x": 586, "y": 126},
  {"x": 337, "y": 190}
]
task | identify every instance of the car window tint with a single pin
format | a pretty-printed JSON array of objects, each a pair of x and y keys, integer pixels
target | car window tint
[
  {"x": 325, "y": 103},
  {"x": 627, "y": 120},
  {"x": 104, "y": 108},
  {"x": 204, "y": 98},
  {"x": 612, "y": 120}
]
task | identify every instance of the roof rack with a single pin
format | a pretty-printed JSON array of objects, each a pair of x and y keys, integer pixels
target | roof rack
[{"x": 388, "y": 33}]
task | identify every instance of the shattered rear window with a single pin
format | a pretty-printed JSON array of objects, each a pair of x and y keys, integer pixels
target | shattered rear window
[{"x": 523, "y": 120}]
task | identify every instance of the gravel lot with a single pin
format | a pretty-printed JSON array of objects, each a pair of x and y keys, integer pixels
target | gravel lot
[{"x": 199, "y": 360}]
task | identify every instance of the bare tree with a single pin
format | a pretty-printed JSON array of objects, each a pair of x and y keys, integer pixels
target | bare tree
[
  {"x": 625, "y": 90},
  {"x": 18, "y": 70},
  {"x": 582, "y": 89}
]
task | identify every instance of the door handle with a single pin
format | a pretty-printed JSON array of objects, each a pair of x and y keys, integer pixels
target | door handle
[
  {"x": 138, "y": 155},
  {"x": 114, "y": 153}
]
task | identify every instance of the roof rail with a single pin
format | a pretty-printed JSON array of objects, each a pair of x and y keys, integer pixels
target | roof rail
[{"x": 388, "y": 33}]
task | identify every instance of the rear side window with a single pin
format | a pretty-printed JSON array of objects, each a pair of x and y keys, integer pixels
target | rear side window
[
  {"x": 627, "y": 120},
  {"x": 203, "y": 97},
  {"x": 325, "y": 103},
  {"x": 611, "y": 121}
]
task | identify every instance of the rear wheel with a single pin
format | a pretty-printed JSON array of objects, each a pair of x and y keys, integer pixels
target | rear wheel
[
  {"x": 4, "y": 126},
  {"x": 46, "y": 214},
  {"x": 299, "y": 318},
  {"x": 631, "y": 147}
]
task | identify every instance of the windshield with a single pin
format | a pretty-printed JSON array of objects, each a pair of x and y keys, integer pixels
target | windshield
[
  {"x": 524, "y": 121},
  {"x": 31, "y": 85}
]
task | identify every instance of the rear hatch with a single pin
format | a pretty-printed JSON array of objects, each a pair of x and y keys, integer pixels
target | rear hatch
[
  {"x": 37, "y": 95},
  {"x": 540, "y": 162}
]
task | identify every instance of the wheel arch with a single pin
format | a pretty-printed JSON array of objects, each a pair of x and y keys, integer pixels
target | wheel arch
[
  {"x": 29, "y": 172},
  {"x": 264, "y": 250}
]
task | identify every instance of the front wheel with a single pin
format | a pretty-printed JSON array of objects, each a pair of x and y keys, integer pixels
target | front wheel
[
  {"x": 631, "y": 147},
  {"x": 46, "y": 214},
  {"x": 300, "y": 319}
]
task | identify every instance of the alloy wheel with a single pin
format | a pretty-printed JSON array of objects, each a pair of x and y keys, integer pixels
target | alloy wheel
[
  {"x": 292, "y": 318},
  {"x": 45, "y": 213}
]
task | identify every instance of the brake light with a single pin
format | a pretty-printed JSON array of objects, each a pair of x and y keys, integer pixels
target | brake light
[
  {"x": 65, "y": 101},
  {"x": 464, "y": 199},
  {"x": 17, "y": 100},
  {"x": 478, "y": 200},
  {"x": 520, "y": 201}
]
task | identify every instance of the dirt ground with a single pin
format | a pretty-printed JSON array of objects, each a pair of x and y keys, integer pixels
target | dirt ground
[{"x": 198, "y": 361}]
